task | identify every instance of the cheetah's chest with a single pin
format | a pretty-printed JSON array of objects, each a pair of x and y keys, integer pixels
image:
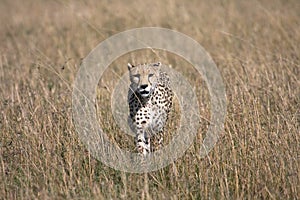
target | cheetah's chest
[{"x": 151, "y": 113}]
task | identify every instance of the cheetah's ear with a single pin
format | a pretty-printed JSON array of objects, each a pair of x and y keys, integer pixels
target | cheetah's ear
[
  {"x": 158, "y": 64},
  {"x": 130, "y": 66}
]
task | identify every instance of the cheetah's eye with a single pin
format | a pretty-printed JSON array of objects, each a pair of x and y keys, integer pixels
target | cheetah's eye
[
  {"x": 150, "y": 75},
  {"x": 135, "y": 78}
]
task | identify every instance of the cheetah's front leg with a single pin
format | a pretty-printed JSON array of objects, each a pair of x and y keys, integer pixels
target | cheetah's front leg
[{"x": 143, "y": 142}]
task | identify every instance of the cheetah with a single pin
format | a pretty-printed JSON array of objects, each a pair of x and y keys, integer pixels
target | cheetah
[{"x": 150, "y": 100}]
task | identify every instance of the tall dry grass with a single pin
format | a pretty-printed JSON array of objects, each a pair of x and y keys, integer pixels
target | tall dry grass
[{"x": 256, "y": 47}]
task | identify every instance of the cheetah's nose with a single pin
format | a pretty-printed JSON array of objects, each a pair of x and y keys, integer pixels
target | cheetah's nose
[{"x": 144, "y": 86}]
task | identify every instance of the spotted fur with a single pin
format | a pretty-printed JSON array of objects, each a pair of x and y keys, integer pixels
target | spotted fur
[{"x": 150, "y": 100}]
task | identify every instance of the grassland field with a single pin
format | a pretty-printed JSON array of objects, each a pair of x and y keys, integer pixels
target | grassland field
[{"x": 255, "y": 45}]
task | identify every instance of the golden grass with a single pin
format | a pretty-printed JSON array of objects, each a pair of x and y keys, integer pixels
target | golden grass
[{"x": 256, "y": 47}]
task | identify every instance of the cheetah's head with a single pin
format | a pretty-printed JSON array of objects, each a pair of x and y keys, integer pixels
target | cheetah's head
[{"x": 144, "y": 78}]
